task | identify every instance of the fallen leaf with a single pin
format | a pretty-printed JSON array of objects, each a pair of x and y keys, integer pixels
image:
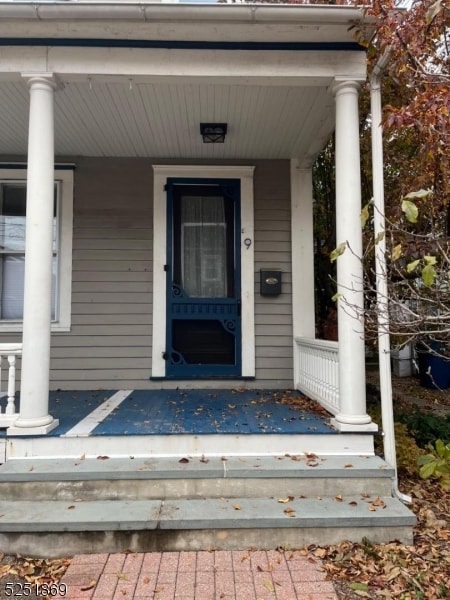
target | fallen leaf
[
  {"x": 338, "y": 498},
  {"x": 286, "y": 500},
  {"x": 102, "y": 457},
  {"x": 183, "y": 460},
  {"x": 394, "y": 573},
  {"x": 70, "y": 507},
  {"x": 311, "y": 455},
  {"x": 237, "y": 506},
  {"x": 269, "y": 586},
  {"x": 91, "y": 586},
  {"x": 379, "y": 502},
  {"x": 348, "y": 466},
  {"x": 360, "y": 587}
]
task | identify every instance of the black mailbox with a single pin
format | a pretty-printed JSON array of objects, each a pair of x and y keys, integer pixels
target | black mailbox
[{"x": 270, "y": 283}]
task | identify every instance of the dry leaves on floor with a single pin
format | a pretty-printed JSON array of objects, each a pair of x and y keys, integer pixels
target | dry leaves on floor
[
  {"x": 31, "y": 570},
  {"x": 396, "y": 571}
]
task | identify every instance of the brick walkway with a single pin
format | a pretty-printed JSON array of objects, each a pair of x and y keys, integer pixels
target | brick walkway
[{"x": 215, "y": 575}]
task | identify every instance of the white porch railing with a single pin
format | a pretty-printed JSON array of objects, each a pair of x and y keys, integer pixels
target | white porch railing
[
  {"x": 317, "y": 371},
  {"x": 10, "y": 352}
]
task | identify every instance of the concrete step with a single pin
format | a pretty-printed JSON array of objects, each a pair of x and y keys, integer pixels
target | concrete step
[
  {"x": 194, "y": 477},
  {"x": 59, "y": 528},
  {"x": 63, "y": 506}
]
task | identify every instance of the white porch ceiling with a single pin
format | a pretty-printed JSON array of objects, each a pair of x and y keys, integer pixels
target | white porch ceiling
[{"x": 127, "y": 117}]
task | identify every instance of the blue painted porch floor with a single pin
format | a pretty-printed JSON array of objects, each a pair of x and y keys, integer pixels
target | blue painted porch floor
[{"x": 165, "y": 412}]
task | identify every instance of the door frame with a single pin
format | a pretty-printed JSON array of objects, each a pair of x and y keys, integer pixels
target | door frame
[{"x": 160, "y": 175}]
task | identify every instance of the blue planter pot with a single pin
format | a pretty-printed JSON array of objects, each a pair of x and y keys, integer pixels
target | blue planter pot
[{"x": 434, "y": 371}]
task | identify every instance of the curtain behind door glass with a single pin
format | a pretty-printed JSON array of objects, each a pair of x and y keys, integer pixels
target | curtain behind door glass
[{"x": 203, "y": 247}]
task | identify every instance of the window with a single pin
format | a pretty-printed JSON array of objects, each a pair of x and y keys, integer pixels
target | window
[{"x": 12, "y": 248}]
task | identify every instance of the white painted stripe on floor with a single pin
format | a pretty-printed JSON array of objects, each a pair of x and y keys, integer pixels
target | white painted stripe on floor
[{"x": 85, "y": 427}]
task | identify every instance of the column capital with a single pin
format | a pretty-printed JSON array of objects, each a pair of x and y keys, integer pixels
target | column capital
[
  {"x": 45, "y": 79},
  {"x": 340, "y": 86}
]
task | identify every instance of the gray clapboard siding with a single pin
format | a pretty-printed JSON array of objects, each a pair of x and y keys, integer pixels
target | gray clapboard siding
[
  {"x": 273, "y": 362},
  {"x": 263, "y": 226},
  {"x": 124, "y": 297},
  {"x": 115, "y": 377},
  {"x": 273, "y": 236},
  {"x": 108, "y": 233},
  {"x": 285, "y": 352},
  {"x": 109, "y": 345},
  {"x": 273, "y": 315},
  {"x": 107, "y": 276},
  {"x": 113, "y": 254},
  {"x": 111, "y": 287},
  {"x": 275, "y": 330},
  {"x": 110, "y": 340},
  {"x": 70, "y": 340},
  {"x": 118, "y": 244},
  {"x": 115, "y": 266},
  {"x": 103, "y": 351},
  {"x": 112, "y": 319},
  {"x": 281, "y": 382},
  {"x": 112, "y": 308},
  {"x": 105, "y": 330},
  {"x": 110, "y": 362},
  {"x": 261, "y": 301},
  {"x": 281, "y": 259},
  {"x": 274, "y": 319}
]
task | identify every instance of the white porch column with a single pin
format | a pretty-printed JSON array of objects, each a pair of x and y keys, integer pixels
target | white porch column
[
  {"x": 302, "y": 255},
  {"x": 34, "y": 417},
  {"x": 352, "y": 381}
]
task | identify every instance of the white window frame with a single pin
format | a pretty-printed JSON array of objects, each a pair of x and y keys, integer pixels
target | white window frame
[
  {"x": 63, "y": 177},
  {"x": 160, "y": 175}
]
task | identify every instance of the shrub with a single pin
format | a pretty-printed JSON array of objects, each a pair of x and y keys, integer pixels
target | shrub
[
  {"x": 408, "y": 452},
  {"x": 436, "y": 464},
  {"x": 426, "y": 427}
]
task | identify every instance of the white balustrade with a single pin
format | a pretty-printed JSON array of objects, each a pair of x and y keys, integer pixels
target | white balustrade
[
  {"x": 318, "y": 371},
  {"x": 10, "y": 352}
]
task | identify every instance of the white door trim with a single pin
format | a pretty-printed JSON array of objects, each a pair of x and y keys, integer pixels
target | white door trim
[{"x": 245, "y": 175}]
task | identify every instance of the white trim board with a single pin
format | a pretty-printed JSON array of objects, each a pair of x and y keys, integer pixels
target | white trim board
[
  {"x": 65, "y": 177},
  {"x": 245, "y": 175},
  {"x": 171, "y": 446}
]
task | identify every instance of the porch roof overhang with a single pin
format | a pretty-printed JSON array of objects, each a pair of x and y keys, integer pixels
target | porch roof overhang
[{"x": 136, "y": 78}]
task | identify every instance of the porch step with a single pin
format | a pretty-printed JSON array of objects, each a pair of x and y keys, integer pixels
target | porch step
[
  {"x": 61, "y": 507},
  {"x": 193, "y": 477}
]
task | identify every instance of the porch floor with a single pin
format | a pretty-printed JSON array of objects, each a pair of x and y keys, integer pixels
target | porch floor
[{"x": 166, "y": 412}]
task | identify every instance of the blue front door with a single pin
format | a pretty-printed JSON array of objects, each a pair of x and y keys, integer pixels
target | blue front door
[{"x": 203, "y": 278}]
